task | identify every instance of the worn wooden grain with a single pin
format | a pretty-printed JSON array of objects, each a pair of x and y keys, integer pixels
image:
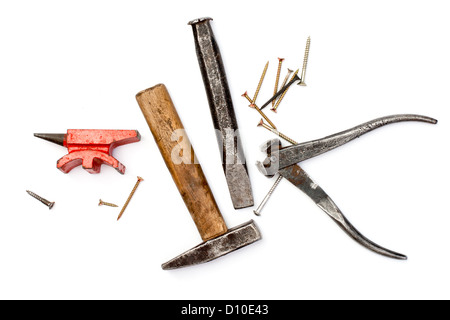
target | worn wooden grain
[{"x": 163, "y": 120}]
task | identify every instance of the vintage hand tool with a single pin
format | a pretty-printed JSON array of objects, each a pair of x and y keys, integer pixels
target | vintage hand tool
[
  {"x": 90, "y": 148},
  {"x": 49, "y": 204},
  {"x": 222, "y": 112},
  {"x": 168, "y": 131},
  {"x": 284, "y": 161}
]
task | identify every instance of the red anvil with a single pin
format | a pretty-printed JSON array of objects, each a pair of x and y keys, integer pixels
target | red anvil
[{"x": 90, "y": 147}]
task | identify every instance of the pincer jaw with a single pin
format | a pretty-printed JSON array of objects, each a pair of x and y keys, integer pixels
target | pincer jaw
[{"x": 269, "y": 167}]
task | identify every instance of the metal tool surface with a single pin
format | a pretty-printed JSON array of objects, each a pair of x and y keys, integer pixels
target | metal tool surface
[
  {"x": 284, "y": 161},
  {"x": 222, "y": 112},
  {"x": 90, "y": 147},
  {"x": 303, "y": 151},
  {"x": 49, "y": 204},
  {"x": 187, "y": 173}
]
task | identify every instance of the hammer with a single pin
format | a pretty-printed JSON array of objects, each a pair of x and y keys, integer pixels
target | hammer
[{"x": 187, "y": 173}]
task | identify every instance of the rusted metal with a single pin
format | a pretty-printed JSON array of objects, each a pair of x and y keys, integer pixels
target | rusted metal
[
  {"x": 90, "y": 147},
  {"x": 236, "y": 238},
  {"x": 284, "y": 162},
  {"x": 222, "y": 112}
]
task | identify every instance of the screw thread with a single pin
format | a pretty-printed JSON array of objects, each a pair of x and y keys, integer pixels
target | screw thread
[
  {"x": 103, "y": 203},
  {"x": 277, "y": 79},
  {"x": 129, "y": 197},
  {"x": 260, "y": 82},
  {"x": 261, "y": 123},
  {"x": 284, "y": 93},
  {"x": 268, "y": 195},
  {"x": 305, "y": 59},
  {"x": 245, "y": 95},
  {"x": 49, "y": 204}
]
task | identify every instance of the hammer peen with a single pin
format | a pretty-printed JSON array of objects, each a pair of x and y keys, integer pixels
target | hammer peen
[{"x": 174, "y": 145}]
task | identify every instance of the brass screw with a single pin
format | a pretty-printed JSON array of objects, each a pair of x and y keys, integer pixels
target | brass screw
[
  {"x": 280, "y": 62},
  {"x": 103, "y": 203},
  {"x": 284, "y": 93},
  {"x": 305, "y": 61},
  {"x": 282, "y": 85},
  {"x": 129, "y": 197},
  {"x": 260, "y": 82},
  {"x": 262, "y": 124},
  {"x": 254, "y": 106}
]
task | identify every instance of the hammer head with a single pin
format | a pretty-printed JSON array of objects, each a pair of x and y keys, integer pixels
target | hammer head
[{"x": 234, "y": 239}]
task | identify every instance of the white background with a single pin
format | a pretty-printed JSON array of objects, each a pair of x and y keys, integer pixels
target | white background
[{"x": 73, "y": 65}]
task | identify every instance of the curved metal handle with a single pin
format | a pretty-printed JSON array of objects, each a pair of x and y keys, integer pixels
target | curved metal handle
[
  {"x": 298, "y": 177},
  {"x": 303, "y": 151}
]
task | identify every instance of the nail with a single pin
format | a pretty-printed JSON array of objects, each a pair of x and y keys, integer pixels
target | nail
[
  {"x": 129, "y": 197},
  {"x": 103, "y": 203},
  {"x": 254, "y": 106},
  {"x": 260, "y": 82},
  {"x": 280, "y": 62},
  {"x": 49, "y": 204}
]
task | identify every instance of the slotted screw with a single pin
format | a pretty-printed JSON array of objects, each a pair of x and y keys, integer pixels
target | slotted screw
[
  {"x": 254, "y": 106},
  {"x": 49, "y": 204},
  {"x": 264, "y": 125},
  {"x": 266, "y": 198},
  {"x": 305, "y": 61},
  {"x": 282, "y": 85}
]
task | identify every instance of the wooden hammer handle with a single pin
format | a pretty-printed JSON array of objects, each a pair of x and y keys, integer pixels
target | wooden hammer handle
[{"x": 174, "y": 145}]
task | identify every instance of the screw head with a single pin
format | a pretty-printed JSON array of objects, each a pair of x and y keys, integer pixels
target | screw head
[{"x": 50, "y": 205}]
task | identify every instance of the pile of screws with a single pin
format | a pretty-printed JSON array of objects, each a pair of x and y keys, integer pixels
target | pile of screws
[{"x": 278, "y": 95}]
